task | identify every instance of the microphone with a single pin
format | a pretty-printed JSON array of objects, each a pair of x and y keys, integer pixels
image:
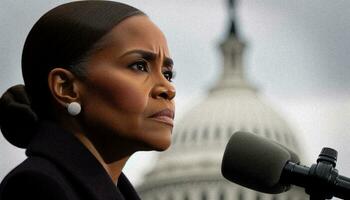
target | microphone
[{"x": 266, "y": 166}]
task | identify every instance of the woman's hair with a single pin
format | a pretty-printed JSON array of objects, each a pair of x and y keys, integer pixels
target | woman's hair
[{"x": 63, "y": 37}]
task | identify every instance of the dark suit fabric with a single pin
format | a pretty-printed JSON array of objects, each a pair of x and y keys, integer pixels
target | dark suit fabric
[{"x": 60, "y": 167}]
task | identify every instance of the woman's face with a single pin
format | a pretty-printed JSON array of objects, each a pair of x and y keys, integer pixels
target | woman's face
[{"x": 128, "y": 97}]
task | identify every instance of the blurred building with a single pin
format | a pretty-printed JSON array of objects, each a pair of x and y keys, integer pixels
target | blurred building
[{"x": 190, "y": 169}]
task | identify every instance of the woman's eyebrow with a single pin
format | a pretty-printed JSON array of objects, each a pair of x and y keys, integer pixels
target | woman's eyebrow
[
  {"x": 149, "y": 56},
  {"x": 168, "y": 62}
]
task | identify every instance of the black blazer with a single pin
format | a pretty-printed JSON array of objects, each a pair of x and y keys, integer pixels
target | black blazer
[{"x": 60, "y": 167}]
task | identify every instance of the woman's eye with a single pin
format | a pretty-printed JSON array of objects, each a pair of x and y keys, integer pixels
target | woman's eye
[
  {"x": 140, "y": 65},
  {"x": 169, "y": 75}
]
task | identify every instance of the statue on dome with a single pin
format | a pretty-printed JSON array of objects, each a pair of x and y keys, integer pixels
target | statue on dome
[{"x": 232, "y": 16}]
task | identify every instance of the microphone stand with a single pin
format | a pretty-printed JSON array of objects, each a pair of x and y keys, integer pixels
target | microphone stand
[
  {"x": 322, "y": 173},
  {"x": 321, "y": 181},
  {"x": 326, "y": 182}
]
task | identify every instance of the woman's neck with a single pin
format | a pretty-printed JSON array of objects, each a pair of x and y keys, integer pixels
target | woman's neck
[
  {"x": 113, "y": 169},
  {"x": 113, "y": 166}
]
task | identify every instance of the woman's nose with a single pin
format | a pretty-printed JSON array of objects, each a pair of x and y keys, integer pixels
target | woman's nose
[{"x": 164, "y": 91}]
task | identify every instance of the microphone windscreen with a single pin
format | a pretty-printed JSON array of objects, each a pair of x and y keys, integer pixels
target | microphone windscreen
[{"x": 256, "y": 162}]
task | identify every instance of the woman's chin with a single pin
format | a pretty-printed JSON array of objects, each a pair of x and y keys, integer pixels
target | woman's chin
[
  {"x": 163, "y": 147},
  {"x": 159, "y": 145}
]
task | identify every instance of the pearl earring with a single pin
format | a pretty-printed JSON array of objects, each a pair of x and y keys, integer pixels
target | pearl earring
[{"x": 73, "y": 108}]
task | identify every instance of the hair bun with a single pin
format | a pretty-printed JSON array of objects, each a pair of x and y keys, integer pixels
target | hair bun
[{"x": 17, "y": 119}]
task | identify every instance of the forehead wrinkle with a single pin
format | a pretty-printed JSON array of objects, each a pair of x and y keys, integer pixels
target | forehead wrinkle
[
  {"x": 166, "y": 61},
  {"x": 145, "y": 36}
]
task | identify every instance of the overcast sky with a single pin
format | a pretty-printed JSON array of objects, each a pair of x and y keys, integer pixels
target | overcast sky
[{"x": 297, "y": 55}]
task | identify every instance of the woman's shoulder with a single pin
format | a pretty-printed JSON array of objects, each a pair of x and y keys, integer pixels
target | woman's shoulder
[{"x": 36, "y": 178}]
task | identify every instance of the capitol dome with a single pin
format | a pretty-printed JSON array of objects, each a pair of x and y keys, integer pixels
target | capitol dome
[{"x": 191, "y": 168}]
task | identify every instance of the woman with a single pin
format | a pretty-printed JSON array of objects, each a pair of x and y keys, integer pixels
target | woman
[{"x": 97, "y": 89}]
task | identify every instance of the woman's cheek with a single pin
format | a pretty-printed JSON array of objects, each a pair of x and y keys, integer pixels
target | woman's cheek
[
  {"x": 123, "y": 92},
  {"x": 131, "y": 98},
  {"x": 116, "y": 89}
]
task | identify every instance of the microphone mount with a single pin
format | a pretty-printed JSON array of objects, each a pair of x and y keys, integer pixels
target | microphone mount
[{"x": 322, "y": 180}]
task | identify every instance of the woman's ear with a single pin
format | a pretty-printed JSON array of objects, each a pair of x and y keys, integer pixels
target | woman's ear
[{"x": 63, "y": 85}]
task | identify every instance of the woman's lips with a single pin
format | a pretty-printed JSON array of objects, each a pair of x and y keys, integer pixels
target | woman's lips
[{"x": 165, "y": 116}]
